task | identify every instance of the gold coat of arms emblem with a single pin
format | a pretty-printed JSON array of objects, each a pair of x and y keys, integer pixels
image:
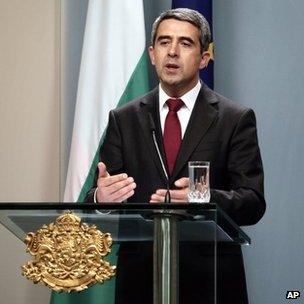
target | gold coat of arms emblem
[{"x": 68, "y": 255}]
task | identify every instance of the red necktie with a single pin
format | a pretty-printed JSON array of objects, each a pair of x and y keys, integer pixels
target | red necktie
[{"x": 172, "y": 132}]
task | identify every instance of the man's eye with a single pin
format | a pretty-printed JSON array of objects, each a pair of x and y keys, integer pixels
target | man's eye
[
  {"x": 186, "y": 43},
  {"x": 164, "y": 42}
]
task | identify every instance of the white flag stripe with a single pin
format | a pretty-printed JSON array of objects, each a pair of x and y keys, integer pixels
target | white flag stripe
[{"x": 113, "y": 44}]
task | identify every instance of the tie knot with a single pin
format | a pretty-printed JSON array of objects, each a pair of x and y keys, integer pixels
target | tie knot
[{"x": 174, "y": 104}]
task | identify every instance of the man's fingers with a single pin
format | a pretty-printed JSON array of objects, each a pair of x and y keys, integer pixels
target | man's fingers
[
  {"x": 114, "y": 183},
  {"x": 111, "y": 180},
  {"x": 155, "y": 198},
  {"x": 102, "y": 169},
  {"x": 160, "y": 198},
  {"x": 162, "y": 192},
  {"x": 122, "y": 188},
  {"x": 182, "y": 182},
  {"x": 124, "y": 196},
  {"x": 115, "y": 191},
  {"x": 175, "y": 194},
  {"x": 118, "y": 196}
]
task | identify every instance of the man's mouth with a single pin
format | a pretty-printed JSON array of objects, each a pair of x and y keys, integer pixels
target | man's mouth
[{"x": 172, "y": 67}]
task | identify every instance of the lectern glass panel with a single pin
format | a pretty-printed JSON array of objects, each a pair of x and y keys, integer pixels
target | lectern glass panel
[{"x": 164, "y": 253}]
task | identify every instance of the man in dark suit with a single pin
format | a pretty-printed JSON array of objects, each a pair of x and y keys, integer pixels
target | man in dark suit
[{"x": 210, "y": 128}]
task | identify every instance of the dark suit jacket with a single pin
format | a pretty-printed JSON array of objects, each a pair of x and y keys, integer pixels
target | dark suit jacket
[{"x": 218, "y": 131}]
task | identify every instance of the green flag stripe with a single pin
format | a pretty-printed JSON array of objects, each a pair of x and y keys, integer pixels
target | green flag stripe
[{"x": 137, "y": 85}]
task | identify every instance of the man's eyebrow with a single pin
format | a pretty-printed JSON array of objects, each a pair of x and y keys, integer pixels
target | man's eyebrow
[
  {"x": 163, "y": 37},
  {"x": 187, "y": 39},
  {"x": 179, "y": 38}
]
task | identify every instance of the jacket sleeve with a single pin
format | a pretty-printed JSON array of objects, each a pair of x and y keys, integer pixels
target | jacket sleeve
[{"x": 244, "y": 202}]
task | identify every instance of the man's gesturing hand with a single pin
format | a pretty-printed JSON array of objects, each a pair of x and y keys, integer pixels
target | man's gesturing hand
[
  {"x": 179, "y": 195},
  {"x": 115, "y": 188}
]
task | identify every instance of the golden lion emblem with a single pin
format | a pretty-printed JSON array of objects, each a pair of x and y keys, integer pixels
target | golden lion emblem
[{"x": 68, "y": 255}]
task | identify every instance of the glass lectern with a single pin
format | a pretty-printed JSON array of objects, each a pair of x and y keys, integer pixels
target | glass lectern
[{"x": 164, "y": 227}]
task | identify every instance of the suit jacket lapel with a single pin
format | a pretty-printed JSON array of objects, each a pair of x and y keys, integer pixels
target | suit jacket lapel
[
  {"x": 203, "y": 114},
  {"x": 149, "y": 107}
]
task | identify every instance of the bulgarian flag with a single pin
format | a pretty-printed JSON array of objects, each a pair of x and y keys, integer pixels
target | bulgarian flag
[{"x": 113, "y": 71}]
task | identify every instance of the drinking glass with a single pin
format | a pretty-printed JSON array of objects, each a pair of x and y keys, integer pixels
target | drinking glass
[{"x": 199, "y": 189}]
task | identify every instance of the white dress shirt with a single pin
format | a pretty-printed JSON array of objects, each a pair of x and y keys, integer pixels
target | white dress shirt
[{"x": 185, "y": 111}]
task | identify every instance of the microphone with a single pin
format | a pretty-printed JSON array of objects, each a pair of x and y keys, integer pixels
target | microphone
[{"x": 152, "y": 128}]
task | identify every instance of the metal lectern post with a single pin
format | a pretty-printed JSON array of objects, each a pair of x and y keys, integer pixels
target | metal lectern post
[{"x": 165, "y": 259}]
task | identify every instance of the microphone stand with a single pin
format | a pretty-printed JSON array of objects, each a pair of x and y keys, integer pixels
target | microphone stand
[
  {"x": 152, "y": 127},
  {"x": 165, "y": 247}
]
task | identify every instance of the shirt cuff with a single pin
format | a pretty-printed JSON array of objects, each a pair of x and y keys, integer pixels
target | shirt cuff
[
  {"x": 96, "y": 202},
  {"x": 95, "y": 195}
]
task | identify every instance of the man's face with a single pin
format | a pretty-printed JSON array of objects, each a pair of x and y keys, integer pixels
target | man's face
[{"x": 177, "y": 56}]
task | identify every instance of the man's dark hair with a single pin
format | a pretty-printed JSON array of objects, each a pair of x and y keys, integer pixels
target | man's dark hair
[{"x": 189, "y": 15}]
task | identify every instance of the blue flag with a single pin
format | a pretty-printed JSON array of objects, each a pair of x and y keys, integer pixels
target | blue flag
[{"x": 205, "y": 8}]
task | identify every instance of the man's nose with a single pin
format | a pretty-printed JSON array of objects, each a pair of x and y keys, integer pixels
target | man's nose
[{"x": 173, "y": 50}]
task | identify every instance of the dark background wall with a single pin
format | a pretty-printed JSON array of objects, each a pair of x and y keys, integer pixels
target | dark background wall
[{"x": 259, "y": 63}]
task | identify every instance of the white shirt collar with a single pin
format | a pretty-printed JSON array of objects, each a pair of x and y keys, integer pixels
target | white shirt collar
[{"x": 189, "y": 98}]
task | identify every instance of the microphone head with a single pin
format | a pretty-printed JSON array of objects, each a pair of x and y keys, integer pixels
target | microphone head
[{"x": 151, "y": 123}]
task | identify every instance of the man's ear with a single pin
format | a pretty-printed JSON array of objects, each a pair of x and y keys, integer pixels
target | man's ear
[
  {"x": 151, "y": 54},
  {"x": 205, "y": 60}
]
